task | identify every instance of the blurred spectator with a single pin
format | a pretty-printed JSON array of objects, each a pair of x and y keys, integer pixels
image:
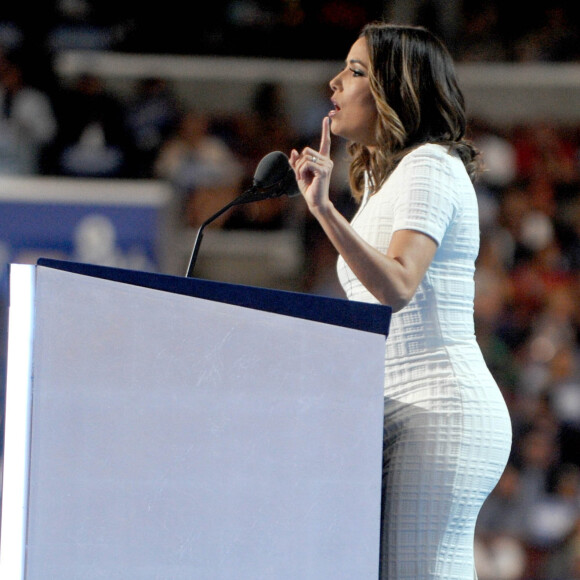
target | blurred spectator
[
  {"x": 563, "y": 393},
  {"x": 499, "y": 558},
  {"x": 24, "y": 27},
  {"x": 567, "y": 224},
  {"x": 481, "y": 39},
  {"x": 513, "y": 209},
  {"x": 504, "y": 512},
  {"x": 492, "y": 293},
  {"x": 544, "y": 268},
  {"x": 251, "y": 22},
  {"x": 88, "y": 25},
  {"x": 564, "y": 564},
  {"x": 536, "y": 456},
  {"x": 93, "y": 140},
  {"x": 341, "y": 19},
  {"x": 267, "y": 128},
  {"x": 11, "y": 33},
  {"x": 27, "y": 121},
  {"x": 553, "y": 332},
  {"x": 443, "y": 17},
  {"x": 498, "y": 152},
  {"x": 202, "y": 168},
  {"x": 505, "y": 249},
  {"x": 546, "y": 159},
  {"x": 152, "y": 115},
  {"x": 550, "y": 523},
  {"x": 500, "y": 550},
  {"x": 537, "y": 285},
  {"x": 554, "y": 39}
]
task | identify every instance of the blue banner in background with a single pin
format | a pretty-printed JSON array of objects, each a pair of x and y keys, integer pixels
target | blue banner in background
[{"x": 102, "y": 222}]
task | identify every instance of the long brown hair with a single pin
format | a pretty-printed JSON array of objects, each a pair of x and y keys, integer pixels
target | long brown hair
[{"x": 412, "y": 79}]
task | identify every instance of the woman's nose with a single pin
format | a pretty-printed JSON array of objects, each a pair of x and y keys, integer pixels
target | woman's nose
[{"x": 334, "y": 82}]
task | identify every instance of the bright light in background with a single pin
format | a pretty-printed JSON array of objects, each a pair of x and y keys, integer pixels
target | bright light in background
[{"x": 17, "y": 428}]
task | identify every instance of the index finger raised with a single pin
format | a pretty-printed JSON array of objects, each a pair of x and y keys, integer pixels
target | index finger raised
[{"x": 325, "y": 138}]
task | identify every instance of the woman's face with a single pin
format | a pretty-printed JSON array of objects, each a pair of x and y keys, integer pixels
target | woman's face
[{"x": 354, "y": 116}]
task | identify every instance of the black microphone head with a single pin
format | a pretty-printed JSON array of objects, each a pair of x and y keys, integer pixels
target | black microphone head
[
  {"x": 289, "y": 184},
  {"x": 275, "y": 177},
  {"x": 271, "y": 170}
]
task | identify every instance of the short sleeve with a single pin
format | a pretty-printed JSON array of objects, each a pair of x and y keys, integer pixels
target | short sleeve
[{"x": 427, "y": 202}]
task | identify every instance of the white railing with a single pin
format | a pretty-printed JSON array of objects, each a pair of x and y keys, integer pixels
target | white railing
[{"x": 499, "y": 92}]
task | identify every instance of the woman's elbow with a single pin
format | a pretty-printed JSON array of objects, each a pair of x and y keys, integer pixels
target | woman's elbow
[
  {"x": 397, "y": 301},
  {"x": 400, "y": 303}
]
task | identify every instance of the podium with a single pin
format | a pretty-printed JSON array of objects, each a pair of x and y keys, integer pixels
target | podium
[{"x": 171, "y": 428}]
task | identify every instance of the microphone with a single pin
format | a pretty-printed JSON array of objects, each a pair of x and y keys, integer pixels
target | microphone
[{"x": 273, "y": 177}]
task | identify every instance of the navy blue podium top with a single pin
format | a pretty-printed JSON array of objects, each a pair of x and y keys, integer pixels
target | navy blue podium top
[{"x": 340, "y": 312}]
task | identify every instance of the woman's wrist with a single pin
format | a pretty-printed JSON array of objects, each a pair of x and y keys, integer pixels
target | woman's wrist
[{"x": 322, "y": 211}]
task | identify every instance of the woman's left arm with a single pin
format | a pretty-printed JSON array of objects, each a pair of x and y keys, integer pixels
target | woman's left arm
[
  {"x": 412, "y": 251},
  {"x": 391, "y": 277}
]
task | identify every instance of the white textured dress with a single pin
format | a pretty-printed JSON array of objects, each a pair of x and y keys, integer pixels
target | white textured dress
[{"x": 447, "y": 429}]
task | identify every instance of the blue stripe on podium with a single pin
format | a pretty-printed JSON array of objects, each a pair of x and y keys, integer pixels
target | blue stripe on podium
[{"x": 339, "y": 312}]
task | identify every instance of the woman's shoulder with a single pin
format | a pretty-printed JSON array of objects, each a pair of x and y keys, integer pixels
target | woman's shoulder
[
  {"x": 434, "y": 155},
  {"x": 434, "y": 151}
]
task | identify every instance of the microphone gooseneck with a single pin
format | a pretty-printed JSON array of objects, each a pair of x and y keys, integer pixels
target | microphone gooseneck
[{"x": 273, "y": 177}]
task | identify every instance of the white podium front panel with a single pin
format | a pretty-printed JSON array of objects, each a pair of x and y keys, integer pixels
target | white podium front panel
[{"x": 179, "y": 438}]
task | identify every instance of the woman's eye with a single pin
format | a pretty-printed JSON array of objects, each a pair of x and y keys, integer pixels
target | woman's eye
[{"x": 356, "y": 73}]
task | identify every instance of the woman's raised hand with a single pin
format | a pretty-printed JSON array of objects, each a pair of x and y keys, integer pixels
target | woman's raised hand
[{"x": 313, "y": 170}]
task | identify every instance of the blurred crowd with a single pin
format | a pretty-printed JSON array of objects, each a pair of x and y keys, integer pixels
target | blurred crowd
[
  {"x": 528, "y": 277},
  {"x": 528, "y": 325},
  {"x": 487, "y": 29}
]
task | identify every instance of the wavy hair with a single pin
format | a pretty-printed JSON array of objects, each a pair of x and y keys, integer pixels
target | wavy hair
[{"x": 412, "y": 79}]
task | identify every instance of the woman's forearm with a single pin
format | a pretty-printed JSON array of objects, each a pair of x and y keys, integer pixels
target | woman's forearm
[{"x": 391, "y": 279}]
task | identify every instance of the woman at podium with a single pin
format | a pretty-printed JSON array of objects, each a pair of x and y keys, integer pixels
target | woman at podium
[{"x": 412, "y": 245}]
